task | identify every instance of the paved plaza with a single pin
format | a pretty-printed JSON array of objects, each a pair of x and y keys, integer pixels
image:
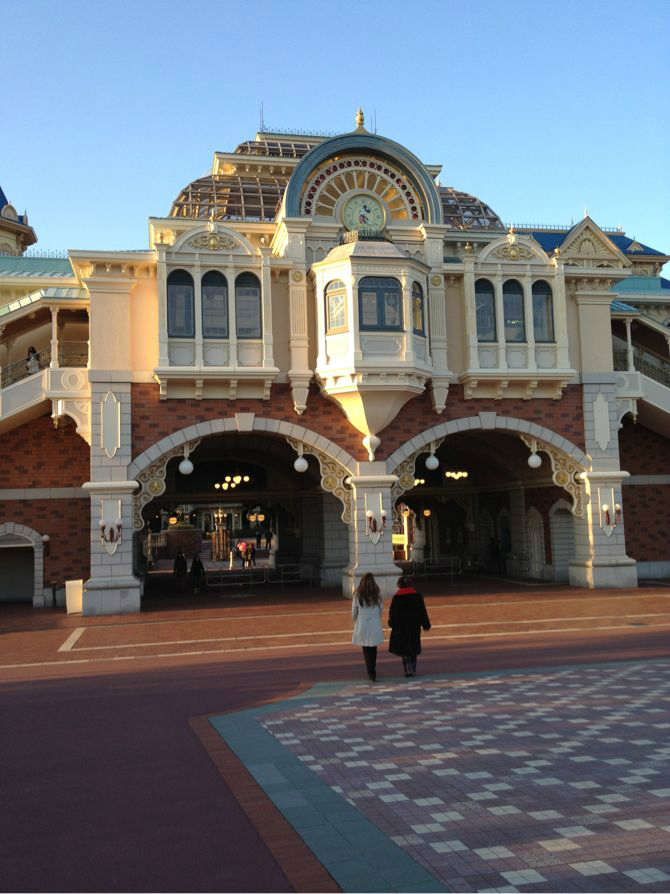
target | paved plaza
[{"x": 540, "y": 780}]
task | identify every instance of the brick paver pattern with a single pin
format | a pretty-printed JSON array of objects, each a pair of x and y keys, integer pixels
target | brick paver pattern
[{"x": 532, "y": 781}]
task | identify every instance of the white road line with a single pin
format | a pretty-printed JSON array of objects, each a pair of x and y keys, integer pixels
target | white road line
[
  {"x": 297, "y": 646},
  {"x": 346, "y": 603},
  {"x": 71, "y": 640},
  {"x": 264, "y": 636}
]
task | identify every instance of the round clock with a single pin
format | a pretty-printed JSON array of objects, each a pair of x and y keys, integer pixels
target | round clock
[{"x": 363, "y": 213}]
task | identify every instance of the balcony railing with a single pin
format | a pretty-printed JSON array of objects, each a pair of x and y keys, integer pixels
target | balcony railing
[
  {"x": 656, "y": 371},
  {"x": 70, "y": 354},
  {"x": 24, "y": 368}
]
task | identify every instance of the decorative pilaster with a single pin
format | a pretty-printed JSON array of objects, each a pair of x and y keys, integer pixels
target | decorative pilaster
[
  {"x": 161, "y": 283},
  {"x": 266, "y": 297},
  {"x": 500, "y": 320},
  {"x": 437, "y": 334},
  {"x": 197, "y": 298},
  {"x": 299, "y": 374},
  {"x": 561, "y": 318},
  {"x": 471, "y": 312},
  {"x": 370, "y": 533},
  {"x": 531, "y": 361}
]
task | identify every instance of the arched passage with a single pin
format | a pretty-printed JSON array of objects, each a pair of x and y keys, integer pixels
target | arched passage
[
  {"x": 484, "y": 468},
  {"x": 22, "y": 564},
  {"x": 244, "y": 484}
]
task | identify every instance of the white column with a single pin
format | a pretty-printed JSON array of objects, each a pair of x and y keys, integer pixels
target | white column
[
  {"x": 232, "y": 314},
  {"x": 299, "y": 374},
  {"x": 436, "y": 337},
  {"x": 500, "y": 320},
  {"x": 407, "y": 317},
  {"x": 161, "y": 283},
  {"x": 197, "y": 298},
  {"x": 471, "y": 313},
  {"x": 629, "y": 346},
  {"x": 112, "y": 586},
  {"x": 531, "y": 361},
  {"x": 370, "y": 492},
  {"x": 88, "y": 341},
  {"x": 54, "y": 338},
  {"x": 560, "y": 319},
  {"x": 601, "y": 560},
  {"x": 355, "y": 323},
  {"x": 266, "y": 298}
]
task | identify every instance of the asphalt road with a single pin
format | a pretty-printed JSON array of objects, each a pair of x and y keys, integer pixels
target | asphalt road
[{"x": 106, "y": 787}]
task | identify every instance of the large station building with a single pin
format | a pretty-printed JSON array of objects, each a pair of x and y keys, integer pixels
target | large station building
[{"x": 323, "y": 340}]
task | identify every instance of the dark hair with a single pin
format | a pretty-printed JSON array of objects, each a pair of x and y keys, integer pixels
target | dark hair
[
  {"x": 367, "y": 592},
  {"x": 404, "y": 581}
]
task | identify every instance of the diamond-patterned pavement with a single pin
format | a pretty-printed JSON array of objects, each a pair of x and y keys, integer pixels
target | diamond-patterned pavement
[{"x": 551, "y": 780}]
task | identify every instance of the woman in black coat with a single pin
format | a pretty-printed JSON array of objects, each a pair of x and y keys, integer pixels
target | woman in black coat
[{"x": 407, "y": 616}]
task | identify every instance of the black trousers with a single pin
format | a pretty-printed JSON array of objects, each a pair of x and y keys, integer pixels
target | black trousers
[
  {"x": 409, "y": 663},
  {"x": 370, "y": 655}
]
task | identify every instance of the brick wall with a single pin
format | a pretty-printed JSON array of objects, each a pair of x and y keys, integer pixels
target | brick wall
[
  {"x": 67, "y": 522},
  {"x": 38, "y": 455},
  {"x": 642, "y": 451},
  {"x": 153, "y": 419},
  {"x": 564, "y": 416},
  {"x": 646, "y": 524}
]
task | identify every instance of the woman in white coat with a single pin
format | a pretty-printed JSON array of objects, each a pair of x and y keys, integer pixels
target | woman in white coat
[{"x": 366, "y": 611}]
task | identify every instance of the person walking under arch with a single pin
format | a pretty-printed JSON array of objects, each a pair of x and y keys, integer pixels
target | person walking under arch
[
  {"x": 366, "y": 612},
  {"x": 197, "y": 573},
  {"x": 407, "y": 617}
]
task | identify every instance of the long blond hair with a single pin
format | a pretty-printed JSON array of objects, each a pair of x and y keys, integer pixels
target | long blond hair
[{"x": 367, "y": 592}]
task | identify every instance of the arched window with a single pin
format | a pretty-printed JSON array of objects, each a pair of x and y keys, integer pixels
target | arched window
[
  {"x": 380, "y": 303},
  {"x": 485, "y": 304},
  {"x": 180, "y": 305},
  {"x": 418, "y": 316},
  {"x": 214, "y": 290},
  {"x": 248, "y": 306},
  {"x": 543, "y": 311},
  {"x": 336, "y": 307},
  {"x": 515, "y": 326}
]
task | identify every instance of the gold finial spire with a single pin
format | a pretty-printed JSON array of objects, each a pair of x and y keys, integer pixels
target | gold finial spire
[{"x": 360, "y": 117}]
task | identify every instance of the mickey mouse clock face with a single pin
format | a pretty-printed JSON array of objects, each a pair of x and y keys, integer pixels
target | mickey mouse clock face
[{"x": 363, "y": 213}]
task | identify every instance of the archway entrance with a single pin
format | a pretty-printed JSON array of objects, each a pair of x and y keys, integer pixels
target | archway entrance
[
  {"x": 484, "y": 509},
  {"x": 17, "y": 581},
  {"x": 252, "y": 518}
]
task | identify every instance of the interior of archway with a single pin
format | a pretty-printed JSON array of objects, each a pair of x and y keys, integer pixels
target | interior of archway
[
  {"x": 481, "y": 518},
  {"x": 260, "y": 499}
]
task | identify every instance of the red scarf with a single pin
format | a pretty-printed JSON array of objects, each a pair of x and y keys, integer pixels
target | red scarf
[{"x": 405, "y": 591}]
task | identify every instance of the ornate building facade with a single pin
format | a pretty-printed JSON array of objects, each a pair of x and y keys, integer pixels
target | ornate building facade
[{"x": 366, "y": 350}]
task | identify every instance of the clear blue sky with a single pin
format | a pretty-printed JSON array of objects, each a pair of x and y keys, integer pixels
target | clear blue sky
[{"x": 540, "y": 109}]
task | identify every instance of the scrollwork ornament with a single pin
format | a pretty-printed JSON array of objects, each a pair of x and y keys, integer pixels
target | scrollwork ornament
[
  {"x": 406, "y": 473},
  {"x": 213, "y": 242},
  {"x": 564, "y": 471},
  {"x": 333, "y": 476},
  {"x": 514, "y": 253},
  {"x": 152, "y": 481}
]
